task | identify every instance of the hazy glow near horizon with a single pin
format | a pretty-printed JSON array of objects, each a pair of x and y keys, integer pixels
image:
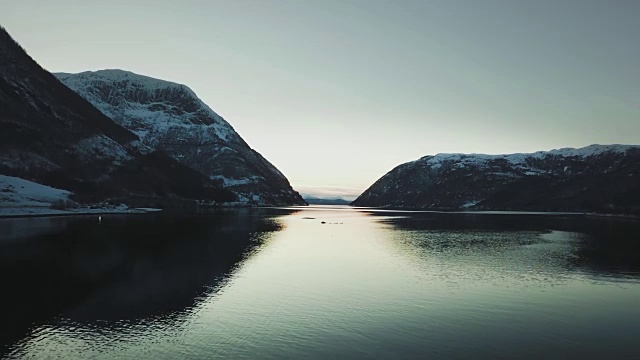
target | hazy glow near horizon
[{"x": 336, "y": 93}]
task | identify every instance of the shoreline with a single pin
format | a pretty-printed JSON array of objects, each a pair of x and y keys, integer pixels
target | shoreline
[
  {"x": 22, "y": 212},
  {"x": 47, "y": 212},
  {"x": 501, "y": 212}
]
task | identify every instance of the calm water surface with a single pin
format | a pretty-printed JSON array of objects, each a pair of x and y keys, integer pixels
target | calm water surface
[{"x": 278, "y": 283}]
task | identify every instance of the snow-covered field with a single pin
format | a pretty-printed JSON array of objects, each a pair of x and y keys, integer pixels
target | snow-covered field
[{"x": 19, "y": 197}]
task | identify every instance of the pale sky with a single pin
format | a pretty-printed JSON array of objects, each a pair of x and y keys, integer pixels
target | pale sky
[{"x": 337, "y": 93}]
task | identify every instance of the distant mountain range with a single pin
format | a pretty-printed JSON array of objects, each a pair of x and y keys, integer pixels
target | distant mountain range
[
  {"x": 325, "y": 201},
  {"x": 597, "y": 178},
  {"x": 164, "y": 144}
]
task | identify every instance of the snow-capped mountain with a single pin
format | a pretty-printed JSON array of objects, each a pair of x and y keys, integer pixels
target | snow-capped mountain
[
  {"x": 170, "y": 117},
  {"x": 600, "y": 178},
  {"x": 52, "y": 136}
]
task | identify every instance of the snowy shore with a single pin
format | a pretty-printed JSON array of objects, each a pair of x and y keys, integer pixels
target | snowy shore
[
  {"x": 20, "y": 198},
  {"x": 42, "y": 211}
]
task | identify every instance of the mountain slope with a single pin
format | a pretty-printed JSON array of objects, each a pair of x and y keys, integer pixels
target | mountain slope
[
  {"x": 170, "y": 117},
  {"x": 51, "y": 135},
  {"x": 599, "y": 178}
]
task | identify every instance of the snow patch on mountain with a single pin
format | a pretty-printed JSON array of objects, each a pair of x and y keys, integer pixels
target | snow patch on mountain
[
  {"x": 521, "y": 160},
  {"x": 235, "y": 182},
  {"x": 17, "y": 192},
  {"x": 101, "y": 147},
  {"x": 123, "y": 95},
  {"x": 469, "y": 204}
]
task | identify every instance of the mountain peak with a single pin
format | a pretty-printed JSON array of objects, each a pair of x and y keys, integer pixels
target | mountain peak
[
  {"x": 170, "y": 117},
  {"x": 119, "y": 75},
  {"x": 123, "y": 94}
]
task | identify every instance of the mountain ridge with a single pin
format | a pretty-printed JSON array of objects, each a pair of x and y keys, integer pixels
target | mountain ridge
[{"x": 595, "y": 178}]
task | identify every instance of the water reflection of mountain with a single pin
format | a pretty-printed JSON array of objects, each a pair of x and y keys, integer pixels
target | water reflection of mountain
[
  {"x": 125, "y": 268},
  {"x": 599, "y": 245}
]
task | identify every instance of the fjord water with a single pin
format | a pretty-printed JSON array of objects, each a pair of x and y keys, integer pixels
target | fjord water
[{"x": 279, "y": 283}]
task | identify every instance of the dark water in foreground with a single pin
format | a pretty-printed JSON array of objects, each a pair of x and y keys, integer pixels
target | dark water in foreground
[{"x": 270, "y": 283}]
